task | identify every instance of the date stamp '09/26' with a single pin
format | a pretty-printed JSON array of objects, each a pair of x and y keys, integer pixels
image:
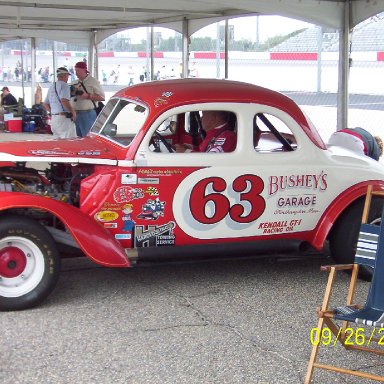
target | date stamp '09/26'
[{"x": 352, "y": 336}]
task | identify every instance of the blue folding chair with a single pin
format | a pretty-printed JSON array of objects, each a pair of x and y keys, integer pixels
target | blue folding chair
[{"x": 369, "y": 253}]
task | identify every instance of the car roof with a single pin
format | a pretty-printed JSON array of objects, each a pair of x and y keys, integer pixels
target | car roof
[{"x": 165, "y": 94}]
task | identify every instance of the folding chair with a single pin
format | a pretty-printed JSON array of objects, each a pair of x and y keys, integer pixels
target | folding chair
[{"x": 370, "y": 252}]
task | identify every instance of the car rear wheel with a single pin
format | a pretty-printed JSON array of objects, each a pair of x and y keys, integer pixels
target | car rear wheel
[
  {"x": 345, "y": 232},
  {"x": 29, "y": 263}
]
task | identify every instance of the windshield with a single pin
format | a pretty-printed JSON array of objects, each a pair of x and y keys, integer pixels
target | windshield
[{"x": 120, "y": 121}]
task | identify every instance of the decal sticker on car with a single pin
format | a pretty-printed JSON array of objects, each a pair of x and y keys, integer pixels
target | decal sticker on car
[
  {"x": 128, "y": 221},
  {"x": 105, "y": 216},
  {"x": 160, "y": 172},
  {"x": 152, "y": 191},
  {"x": 110, "y": 225},
  {"x": 128, "y": 178},
  {"x": 89, "y": 153},
  {"x": 127, "y": 194},
  {"x": 297, "y": 201},
  {"x": 304, "y": 181},
  {"x": 154, "y": 235},
  {"x": 160, "y": 101},
  {"x": 123, "y": 236},
  {"x": 279, "y": 226},
  {"x": 148, "y": 180},
  {"x": 46, "y": 152},
  {"x": 152, "y": 209}
]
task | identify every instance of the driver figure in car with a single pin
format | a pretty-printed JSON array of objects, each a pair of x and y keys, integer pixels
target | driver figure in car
[{"x": 220, "y": 137}]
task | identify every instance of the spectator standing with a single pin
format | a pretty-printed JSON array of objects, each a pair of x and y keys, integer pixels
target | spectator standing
[
  {"x": 57, "y": 102},
  {"x": 131, "y": 75},
  {"x": 7, "y": 99},
  {"x": 104, "y": 76},
  {"x": 193, "y": 70},
  {"x": 88, "y": 93},
  {"x": 143, "y": 75},
  {"x": 117, "y": 74},
  {"x": 5, "y": 74},
  {"x": 17, "y": 73}
]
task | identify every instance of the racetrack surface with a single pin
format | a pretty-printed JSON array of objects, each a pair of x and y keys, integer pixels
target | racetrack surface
[{"x": 235, "y": 321}]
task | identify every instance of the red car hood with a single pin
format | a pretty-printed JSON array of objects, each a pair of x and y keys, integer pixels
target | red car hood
[{"x": 74, "y": 150}]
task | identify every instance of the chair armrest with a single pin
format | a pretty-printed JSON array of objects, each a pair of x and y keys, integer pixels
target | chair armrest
[{"x": 337, "y": 267}]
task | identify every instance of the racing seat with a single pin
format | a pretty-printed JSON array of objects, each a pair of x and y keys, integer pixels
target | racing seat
[{"x": 369, "y": 253}]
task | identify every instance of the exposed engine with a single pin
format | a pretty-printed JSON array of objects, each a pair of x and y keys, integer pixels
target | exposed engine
[{"x": 59, "y": 181}]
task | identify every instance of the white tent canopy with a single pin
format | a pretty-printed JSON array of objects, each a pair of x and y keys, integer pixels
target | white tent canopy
[{"x": 82, "y": 20}]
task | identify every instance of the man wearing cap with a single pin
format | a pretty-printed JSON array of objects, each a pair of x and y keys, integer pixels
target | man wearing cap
[
  {"x": 57, "y": 103},
  {"x": 88, "y": 93},
  {"x": 7, "y": 98}
]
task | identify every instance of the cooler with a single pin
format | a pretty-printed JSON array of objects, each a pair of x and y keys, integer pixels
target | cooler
[
  {"x": 14, "y": 125},
  {"x": 29, "y": 126}
]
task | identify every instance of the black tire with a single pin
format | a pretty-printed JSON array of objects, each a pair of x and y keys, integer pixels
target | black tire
[
  {"x": 344, "y": 234},
  {"x": 29, "y": 263}
]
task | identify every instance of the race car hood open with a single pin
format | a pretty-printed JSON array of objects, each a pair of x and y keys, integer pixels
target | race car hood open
[{"x": 85, "y": 150}]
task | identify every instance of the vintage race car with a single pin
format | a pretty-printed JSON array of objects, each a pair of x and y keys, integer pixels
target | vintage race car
[{"x": 122, "y": 195}]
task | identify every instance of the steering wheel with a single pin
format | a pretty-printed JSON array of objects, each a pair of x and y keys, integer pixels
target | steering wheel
[{"x": 165, "y": 142}]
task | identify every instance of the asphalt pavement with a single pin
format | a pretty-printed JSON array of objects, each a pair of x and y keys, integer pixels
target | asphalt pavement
[{"x": 236, "y": 321}]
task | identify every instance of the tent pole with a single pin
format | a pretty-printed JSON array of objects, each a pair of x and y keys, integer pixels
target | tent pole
[
  {"x": 152, "y": 43},
  {"x": 226, "y": 46},
  {"x": 91, "y": 55},
  {"x": 185, "y": 48},
  {"x": 343, "y": 93},
  {"x": 22, "y": 72},
  {"x": 33, "y": 69}
]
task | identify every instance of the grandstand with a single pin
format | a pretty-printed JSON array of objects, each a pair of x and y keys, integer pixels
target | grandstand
[{"x": 366, "y": 37}]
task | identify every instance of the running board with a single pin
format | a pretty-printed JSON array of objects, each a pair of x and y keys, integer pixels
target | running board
[{"x": 207, "y": 251}]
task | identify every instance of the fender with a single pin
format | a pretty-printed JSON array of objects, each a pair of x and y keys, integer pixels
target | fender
[
  {"x": 94, "y": 240},
  {"x": 338, "y": 206}
]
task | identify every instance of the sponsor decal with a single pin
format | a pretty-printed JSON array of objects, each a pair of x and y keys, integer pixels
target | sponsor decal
[
  {"x": 107, "y": 206},
  {"x": 160, "y": 172},
  {"x": 128, "y": 178},
  {"x": 152, "y": 191},
  {"x": 89, "y": 153},
  {"x": 110, "y": 225},
  {"x": 53, "y": 152},
  {"x": 127, "y": 218},
  {"x": 167, "y": 94},
  {"x": 160, "y": 101},
  {"x": 296, "y": 201},
  {"x": 127, "y": 194},
  {"x": 294, "y": 212},
  {"x": 279, "y": 226},
  {"x": 105, "y": 216},
  {"x": 148, "y": 180},
  {"x": 306, "y": 181},
  {"x": 123, "y": 236},
  {"x": 154, "y": 235},
  {"x": 152, "y": 209}
]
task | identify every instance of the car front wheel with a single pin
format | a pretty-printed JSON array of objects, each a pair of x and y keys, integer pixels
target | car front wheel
[{"x": 29, "y": 263}]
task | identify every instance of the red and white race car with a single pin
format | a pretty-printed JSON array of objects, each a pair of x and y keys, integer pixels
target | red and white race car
[{"x": 122, "y": 194}]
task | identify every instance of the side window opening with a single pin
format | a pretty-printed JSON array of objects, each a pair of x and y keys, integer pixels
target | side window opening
[
  {"x": 271, "y": 134},
  {"x": 190, "y": 129}
]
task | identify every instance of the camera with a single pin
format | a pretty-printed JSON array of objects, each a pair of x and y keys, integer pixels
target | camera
[
  {"x": 75, "y": 91},
  {"x": 68, "y": 115}
]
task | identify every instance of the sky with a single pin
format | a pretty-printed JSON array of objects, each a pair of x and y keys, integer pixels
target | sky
[
  {"x": 269, "y": 26},
  {"x": 244, "y": 28}
]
